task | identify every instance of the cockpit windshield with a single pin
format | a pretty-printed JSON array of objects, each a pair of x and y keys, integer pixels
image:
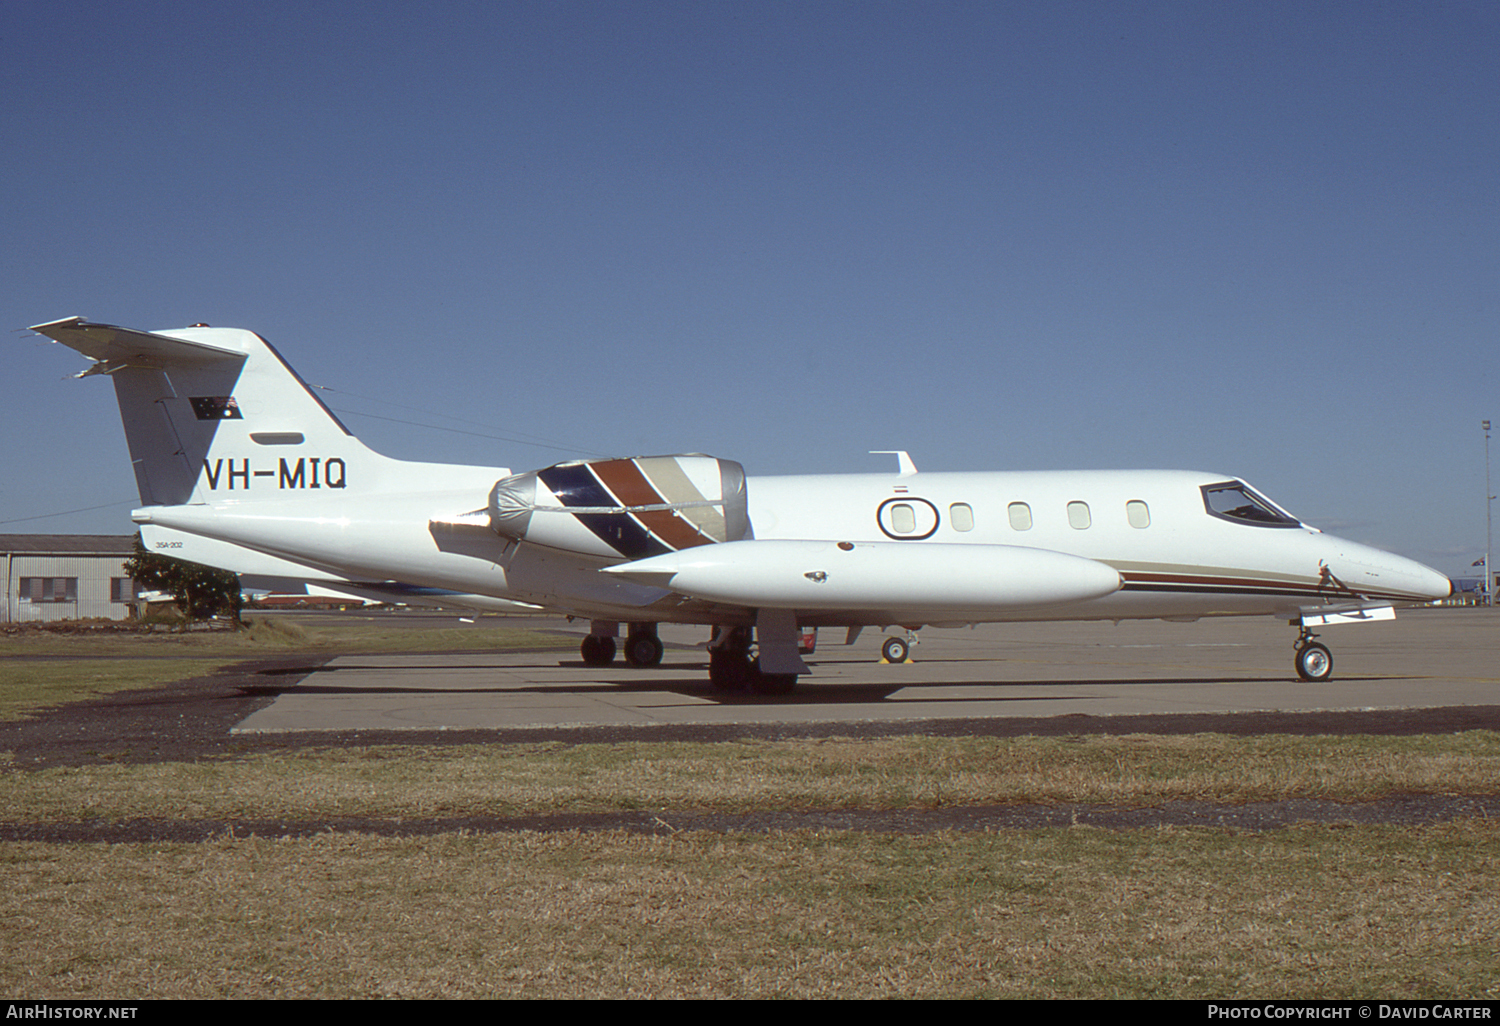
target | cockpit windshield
[{"x": 1234, "y": 500}]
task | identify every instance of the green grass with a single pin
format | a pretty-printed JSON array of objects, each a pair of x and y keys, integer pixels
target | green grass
[
  {"x": 39, "y": 671},
  {"x": 30, "y": 686}
]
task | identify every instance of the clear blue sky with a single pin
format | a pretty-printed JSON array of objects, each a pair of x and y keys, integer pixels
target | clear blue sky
[{"x": 1254, "y": 238}]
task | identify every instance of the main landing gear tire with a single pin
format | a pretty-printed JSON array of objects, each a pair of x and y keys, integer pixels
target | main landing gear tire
[
  {"x": 895, "y": 650},
  {"x": 728, "y": 670},
  {"x": 1314, "y": 662},
  {"x": 643, "y": 650},
  {"x": 731, "y": 669},
  {"x": 771, "y": 683},
  {"x": 597, "y": 650}
]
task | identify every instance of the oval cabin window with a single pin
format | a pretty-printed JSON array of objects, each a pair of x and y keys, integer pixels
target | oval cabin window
[
  {"x": 903, "y": 518},
  {"x": 909, "y": 519}
]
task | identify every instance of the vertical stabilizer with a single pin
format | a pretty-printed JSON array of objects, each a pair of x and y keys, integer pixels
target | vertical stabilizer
[{"x": 215, "y": 415}]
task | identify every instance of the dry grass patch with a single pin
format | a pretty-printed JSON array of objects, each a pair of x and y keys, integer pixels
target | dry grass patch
[
  {"x": 1308, "y": 912},
  {"x": 908, "y": 772}
]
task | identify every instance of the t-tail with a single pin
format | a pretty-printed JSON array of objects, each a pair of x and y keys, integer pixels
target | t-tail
[{"x": 215, "y": 415}]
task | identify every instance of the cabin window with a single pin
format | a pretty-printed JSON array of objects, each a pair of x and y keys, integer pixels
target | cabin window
[
  {"x": 903, "y": 518},
  {"x": 1235, "y": 501},
  {"x": 961, "y": 516},
  {"x": 909, "y": 519},
  {"x": 1078, "y": 516},
  {"x": 1137, "y": 513},
  {"x": 1020, "y": 516}
]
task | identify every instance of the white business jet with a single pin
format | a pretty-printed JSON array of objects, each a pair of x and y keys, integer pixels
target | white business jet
[{"x": 241, "y": 466}]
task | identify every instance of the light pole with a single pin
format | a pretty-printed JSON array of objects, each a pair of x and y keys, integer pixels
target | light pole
[{"x": 1489, "y": 577}]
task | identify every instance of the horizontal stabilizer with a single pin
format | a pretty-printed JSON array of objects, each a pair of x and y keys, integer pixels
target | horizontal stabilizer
[{"x": 114, "y": 347}]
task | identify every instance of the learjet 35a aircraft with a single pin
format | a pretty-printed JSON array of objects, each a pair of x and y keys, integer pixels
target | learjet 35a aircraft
[{"x": 241, "y": 466}]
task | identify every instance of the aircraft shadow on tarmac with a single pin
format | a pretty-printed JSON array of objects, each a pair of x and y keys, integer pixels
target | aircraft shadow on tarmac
[{"x": 809, "y": 692}]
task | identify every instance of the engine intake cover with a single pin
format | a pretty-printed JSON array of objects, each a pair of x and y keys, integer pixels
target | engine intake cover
[{"x": 633, "y": 508}]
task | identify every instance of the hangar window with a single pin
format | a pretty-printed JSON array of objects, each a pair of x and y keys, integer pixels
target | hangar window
[
  {"x": 1235, "y": 501},
  {"x": 49, "y": 589},
  {"x": 1020, "y": 516},
  {"x": 1078, "y": 516},
  {"x": 121, "y": 589},
  {"x": 961, "y": 516},
  {"x": 1137, "y": 513}
]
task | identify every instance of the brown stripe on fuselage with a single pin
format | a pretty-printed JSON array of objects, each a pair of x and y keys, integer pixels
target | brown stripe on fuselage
[
  {"x": 1224, "y": 579},
  {"x": 1264, "y": 585}
]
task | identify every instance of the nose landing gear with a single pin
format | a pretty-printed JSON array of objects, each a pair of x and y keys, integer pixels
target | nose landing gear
[{"x": 1313, "y": 660}]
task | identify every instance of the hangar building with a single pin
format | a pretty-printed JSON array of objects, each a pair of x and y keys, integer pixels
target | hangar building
[{"x": 65, "y": 576}]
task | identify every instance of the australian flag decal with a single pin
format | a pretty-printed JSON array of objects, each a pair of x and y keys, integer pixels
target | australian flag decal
[{"x": 216, "y": 407}]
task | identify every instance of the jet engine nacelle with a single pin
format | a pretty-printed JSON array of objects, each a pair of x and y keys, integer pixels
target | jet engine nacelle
[
  {"x": 631, "y": 508},
  {"x": 774, "y": 574}
]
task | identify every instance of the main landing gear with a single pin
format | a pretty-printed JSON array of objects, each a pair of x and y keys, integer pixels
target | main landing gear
[
  {"x": 598, "y": 650},
  {"x": 732, "y": 665},
  {"x": 642, "y": 646},
  {"x": 1313, "y": 660},
  {"x": 732, "y": 668}
]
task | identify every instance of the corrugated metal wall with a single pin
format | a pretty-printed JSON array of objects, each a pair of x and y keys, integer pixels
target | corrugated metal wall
[{"x": 88, "y": 595}]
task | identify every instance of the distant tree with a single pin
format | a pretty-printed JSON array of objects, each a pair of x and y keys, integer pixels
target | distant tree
[{"x": 200, "y": 591}]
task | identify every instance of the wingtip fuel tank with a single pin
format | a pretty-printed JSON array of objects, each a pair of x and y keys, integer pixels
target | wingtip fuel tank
[{"x": 876, "y": 575}]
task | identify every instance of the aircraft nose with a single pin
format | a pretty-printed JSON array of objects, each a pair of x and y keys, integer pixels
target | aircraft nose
[
  {"x": 1425, "y": 582},
  {"x": 1377, "y": 572},
  {"x": 1442, "y": 586}
]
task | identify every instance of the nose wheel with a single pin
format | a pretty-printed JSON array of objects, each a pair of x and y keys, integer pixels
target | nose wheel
[
  {"x": 1313, "y": 660},
  {"x": 895, "y": 650},
  {"x": 898, "y": 650}
]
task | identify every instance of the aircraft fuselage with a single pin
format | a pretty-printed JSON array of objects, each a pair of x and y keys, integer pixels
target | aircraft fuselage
[{"x": 241, "y": 466}]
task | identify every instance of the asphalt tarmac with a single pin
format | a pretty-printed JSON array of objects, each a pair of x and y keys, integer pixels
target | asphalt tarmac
[
  {"x": 1425, "y": 659},
  {"x": 1429, "y": 672}
]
